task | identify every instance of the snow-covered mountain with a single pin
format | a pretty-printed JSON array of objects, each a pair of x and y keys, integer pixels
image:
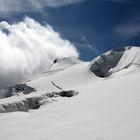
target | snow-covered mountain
[{"x": 78, "y": 100}]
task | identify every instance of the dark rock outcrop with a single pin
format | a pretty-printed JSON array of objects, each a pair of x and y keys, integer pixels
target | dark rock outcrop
[
  {"x": 23, "y": 105},
  {"x": 69, "y": 93},
  {"x": 24, "y": 88},
  {"x": 63, "y": 93},
  {"x": 14, "y": 89},
  {"x": 101, "y": 65}
]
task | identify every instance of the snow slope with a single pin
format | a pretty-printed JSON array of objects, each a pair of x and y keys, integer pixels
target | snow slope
[
  {"x": 105, "y": 108},
  {"x": 69, "y": 77}
]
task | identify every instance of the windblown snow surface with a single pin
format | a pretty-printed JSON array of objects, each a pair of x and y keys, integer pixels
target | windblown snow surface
[{"x": 106, "y": 108}]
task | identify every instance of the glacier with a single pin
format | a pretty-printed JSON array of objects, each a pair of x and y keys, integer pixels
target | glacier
[{"x": 107, "y": 105}]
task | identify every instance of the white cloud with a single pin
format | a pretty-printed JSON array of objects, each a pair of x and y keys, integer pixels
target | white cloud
[
  {"x": 121, "y": 1},
  {"x": 28, "y": 48},
  {"x": 7, "y": 6},
  {"x": 129, "y": 29},
  {"x": 84, "y": 43}
]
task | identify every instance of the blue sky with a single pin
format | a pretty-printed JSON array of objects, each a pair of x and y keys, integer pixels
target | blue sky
[{"x": 93, "y": 26}]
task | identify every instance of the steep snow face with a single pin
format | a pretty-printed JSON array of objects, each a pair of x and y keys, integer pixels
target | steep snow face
[{"x": 115, "y": 60}]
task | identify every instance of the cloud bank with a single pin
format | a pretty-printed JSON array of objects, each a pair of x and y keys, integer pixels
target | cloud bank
[
  {"x": 32, "y": 5},
  {"x": 130, "y": 29},
  {"x": 8, "y": 6},
  {"x": 85, "y": 44},
  {"x": 28, "y": 48}
]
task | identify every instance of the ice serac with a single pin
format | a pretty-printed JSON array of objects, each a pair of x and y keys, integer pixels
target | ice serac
[
  {"x": 26, "y": 103},
  {"x": 115, "y": 60}
]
